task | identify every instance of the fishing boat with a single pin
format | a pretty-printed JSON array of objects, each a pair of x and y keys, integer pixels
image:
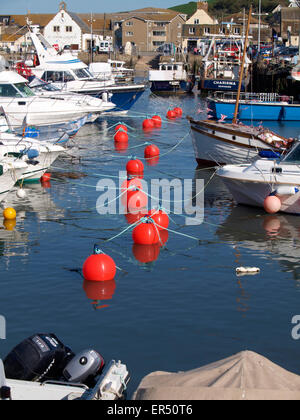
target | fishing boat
[
  {"x": 70, "y": 74},
  {"x": 43, "y": 368},
  {"x": 171, "y": 77},
  {"x": 11, "y": 170},
  {"x": 251, "y": 184},
  {"x": 19, "y": 102},
  {"x": 233, "y": 143},
  {"x": 221, "y": 143},
  {"x": 253, "y": 107},
  {"x": 121, "y": 73},
  {"x": 222, "y": 64}
]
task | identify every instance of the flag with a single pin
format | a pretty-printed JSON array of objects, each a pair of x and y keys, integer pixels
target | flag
[{"x": 223, "y": 117}]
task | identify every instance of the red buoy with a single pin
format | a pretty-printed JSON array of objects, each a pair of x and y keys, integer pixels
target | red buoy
[
  {"x": 146, "y": 253},
  {"x": 136, "y": 201},
  {"x": 46, "y": 177},
  {"x": 171, "y": 115},
  {"x": 131, "y": 183},
  {"x": 121, "y": 127},
  {"x": 99, "y": 267},
  {"x": 160, "y": 218},
  {"x": 135, "y": 167},
  {"x": 272, "y": 204},
  {"x": 157, "y": 120},
  {"x": 46, "y": 184},
  {"x": 145, "y": 234},
  {"x": 121, "y": 137},
  {"x": 151, "y": 151},
  {"x": 178, "y": 111},
  {"x": 148, "y": 124}
]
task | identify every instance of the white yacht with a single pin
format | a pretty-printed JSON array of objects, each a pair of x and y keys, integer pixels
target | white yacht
[
  {"x": 11, "y": 170},
  {"x": 251, "y": 184},
  {"x": 19, "y": 102},
  {"x": 69, "y": 74}
]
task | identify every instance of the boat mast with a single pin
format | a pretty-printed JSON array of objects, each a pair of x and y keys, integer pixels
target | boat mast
[{"x": 242, "y": 69}]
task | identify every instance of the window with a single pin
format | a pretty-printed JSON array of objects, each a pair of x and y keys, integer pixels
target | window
[
  {"x": 160, "y": 24},
  {"x": 129, "y": 23},
  {"x": 83, "y": 74},
  {"x": 157, "y": 44},
  {"x": 69, "y": 29},
  {"x": 129, "y": 33},
  {"x": 192, "y": 31},
  {"x": 237, "y": 31},
  {"x": 159, "y": 33},
  {"x": 196, "y": 21},
  {"x": 179, "y": 25},
  {"x": 56, "y": 29},
  {"x": 24, "y": 89},
  {"x": 9, "y": 90},
  {"x": 57, "y": 76},
  {"x": 179, "y": 35},
  {"x": 207, "y": 30}
]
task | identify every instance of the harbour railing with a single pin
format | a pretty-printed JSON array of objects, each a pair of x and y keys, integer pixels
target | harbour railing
[{"x": 254, "y": 97}]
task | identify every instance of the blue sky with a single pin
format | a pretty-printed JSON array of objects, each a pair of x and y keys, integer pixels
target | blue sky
[{"x": 80, "y": 6}]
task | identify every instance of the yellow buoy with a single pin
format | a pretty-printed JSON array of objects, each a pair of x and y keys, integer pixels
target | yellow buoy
[
  {"x": 9, "y": 213},
  {"x": 9, "y": 224}
]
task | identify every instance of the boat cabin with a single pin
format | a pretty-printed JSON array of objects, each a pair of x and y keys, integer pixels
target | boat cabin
[{"x": 13, "y": 85}]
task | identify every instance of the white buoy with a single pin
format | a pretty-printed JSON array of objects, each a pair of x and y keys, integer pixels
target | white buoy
[
  {"x": 21, "y": 193},
  {"x": 240, "y": 271}
]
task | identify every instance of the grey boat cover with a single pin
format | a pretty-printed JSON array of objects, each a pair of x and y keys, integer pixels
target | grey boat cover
[{"x": 243, "y": 376}]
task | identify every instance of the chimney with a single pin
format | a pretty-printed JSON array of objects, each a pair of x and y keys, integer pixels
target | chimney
[{"x": 202, "y": 5}]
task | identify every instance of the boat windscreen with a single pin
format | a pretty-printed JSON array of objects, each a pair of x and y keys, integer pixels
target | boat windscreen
[
  {"x": 293, "y": 156},
  {"x": 24, "y": 89}
]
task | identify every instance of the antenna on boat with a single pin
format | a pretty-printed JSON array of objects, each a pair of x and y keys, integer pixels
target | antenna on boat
[{"x": 242, "y": 68}]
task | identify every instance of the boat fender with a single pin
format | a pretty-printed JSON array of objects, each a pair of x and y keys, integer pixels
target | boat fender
[
  {"x": 269, "y": 154},
  {"x": 286, "y": 190},
  {"x": 105, "y": 96},
  {"x": 247, "y": 270},
  {"x": 32, "y": 154}
]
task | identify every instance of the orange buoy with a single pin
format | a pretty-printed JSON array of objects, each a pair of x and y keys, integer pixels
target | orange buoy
[
  {"x": 9, "y": 213},
  {"x": 146, "y": 253},
  {"x": 151, "y": 151},
  {"x": 272, "y": 204},
  {"x": 99, "y": 267},
  {"x": 148, "y": 124},
  {"x": 171, "y": 115},
  {"x": 160, "y": 218},
  {"x": 145, "y": 234},
  {"x": 135, "y": 167},
  {"x": 157, "y": 120},
  {"x": 46, "y": 177},
  {"x": 178, "y": 111},
  {"x": 136, "y": 201},
  {"x": 121, "y": 127},
  {"x": 121, "y": 137}
]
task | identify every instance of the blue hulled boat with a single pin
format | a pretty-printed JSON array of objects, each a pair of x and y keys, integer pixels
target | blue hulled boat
[{"x": 253, "y": 107}]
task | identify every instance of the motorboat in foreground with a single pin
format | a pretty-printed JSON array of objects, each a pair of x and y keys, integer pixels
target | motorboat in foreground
[
  {"x": 43, "y": 368},
  {"x": 229, "y": 143},
  {"x": 251, "y": 184}
]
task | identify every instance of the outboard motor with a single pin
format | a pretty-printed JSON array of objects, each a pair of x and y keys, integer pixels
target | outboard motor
[
  {"x": 38, "y": 358},
  {"x": 84, "y": 367},
  {"x": 43, "y": 357}
]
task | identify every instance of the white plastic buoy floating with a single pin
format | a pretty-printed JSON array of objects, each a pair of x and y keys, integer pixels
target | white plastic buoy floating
[
  {"x": 21, "y": 193},
  {"x": 241, "y": 271}
]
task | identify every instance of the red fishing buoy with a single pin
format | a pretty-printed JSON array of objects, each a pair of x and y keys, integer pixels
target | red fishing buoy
[
  {"x": 171, "y": 115},
  {"x": 121, "y": 137},
  {"x": 121, "y": 127},
  {"x": 99, "y": 267},
  {"x": 146, "y": 253},
  {"x": 145, "y": 234},
  {"x": 131, "y": 183},
  {"x": 272, "y": 204},
  {"x": 135, "y": 166},
  {"x": 160, "y": 218},
  {"x": 46, "y": 177},
  {"x": 151, "y": 151},
  {"x": 178, "y": 111},
  {"x": 148, "y": 124},
  {"x": 136, "y": 201},
  {"x": 157, "y": 120}
]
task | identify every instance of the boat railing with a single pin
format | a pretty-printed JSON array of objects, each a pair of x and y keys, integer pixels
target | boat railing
[{"x": 254, "y": 97}]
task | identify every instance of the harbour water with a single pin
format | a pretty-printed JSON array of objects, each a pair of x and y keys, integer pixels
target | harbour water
[{"x": 185, "y": 309}]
